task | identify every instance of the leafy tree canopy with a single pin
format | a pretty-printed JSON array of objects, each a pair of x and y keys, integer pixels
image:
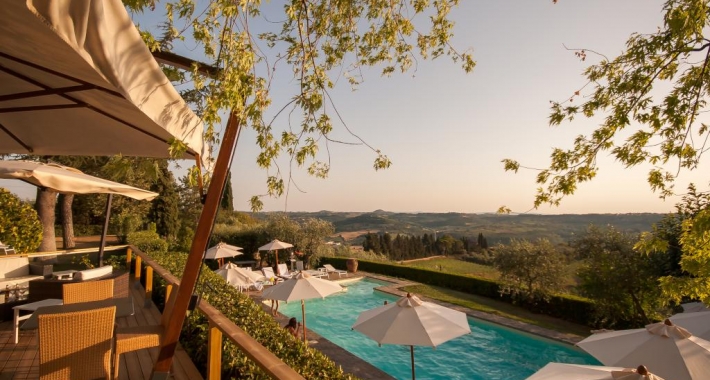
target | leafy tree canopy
[
  {"x": 531, "y": 269},
  {"x": 320, "y": 41},
  {"x": 652, "y": 96}
]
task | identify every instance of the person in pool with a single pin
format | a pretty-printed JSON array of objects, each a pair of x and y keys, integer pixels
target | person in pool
[{"x": 293, "y": 326}]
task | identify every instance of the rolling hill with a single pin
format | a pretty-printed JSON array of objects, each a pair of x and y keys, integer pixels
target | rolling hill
[{"x": 496, "y": 228}]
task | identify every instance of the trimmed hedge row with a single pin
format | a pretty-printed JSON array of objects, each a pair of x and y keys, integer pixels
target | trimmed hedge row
[
  {"x": 249, "y": 316},
  {"x": 569, "y": 308}
]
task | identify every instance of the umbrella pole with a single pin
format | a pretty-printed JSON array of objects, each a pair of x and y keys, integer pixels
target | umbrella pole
[
  {"x": 105, "y": 230},
  {"x": 411, "y": 349},
  {"x": 276, "y": 257},
  {"x": 303, "y": 312}
]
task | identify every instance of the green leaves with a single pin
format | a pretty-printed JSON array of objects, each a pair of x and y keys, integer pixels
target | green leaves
[{"x": 658, "y": 87}]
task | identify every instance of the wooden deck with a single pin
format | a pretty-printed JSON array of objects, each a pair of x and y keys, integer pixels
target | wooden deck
[{"x": 21, "y": 361}]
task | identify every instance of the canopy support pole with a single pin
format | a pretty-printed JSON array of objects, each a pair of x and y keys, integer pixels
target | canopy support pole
[
  {"x": 411, "y": 350},
  {"x": 105, "y": 230},
  {"x": 303, "y": 312},
  {"x": 199, "y": 245}
]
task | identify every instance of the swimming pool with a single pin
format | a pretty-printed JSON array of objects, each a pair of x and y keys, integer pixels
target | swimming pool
[{"x": 490, "y": 352}]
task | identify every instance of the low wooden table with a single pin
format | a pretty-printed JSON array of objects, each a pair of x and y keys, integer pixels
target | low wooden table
[{"x": 29, "y": 307}]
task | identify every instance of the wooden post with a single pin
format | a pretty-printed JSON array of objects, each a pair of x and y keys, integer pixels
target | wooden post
[
  {"x": 214, "y": 353},
  {"x": 168, "y": 290},
  {"x": 129, "y": 254},
  {"x": 148, "y": 284},
  {"x": 188, "y": 281},
  {"x": 137, "y": 273}
]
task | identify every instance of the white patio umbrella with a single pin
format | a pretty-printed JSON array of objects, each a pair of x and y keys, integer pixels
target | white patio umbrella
[
  {"x": 301, "y": 287},
  {"x": 694, "y": 307},
  {"x": 222, "y": 250},
  {"x": 669, "y": 351},
  {"x": 412, "y": 322},
  {"x": 68, "y": 180},
  {"x": 77, "y": 79},
  {"x": 560, "y": 371},
  {"x": 275, "y": 245},
  {"x": 697, "y": 323}
]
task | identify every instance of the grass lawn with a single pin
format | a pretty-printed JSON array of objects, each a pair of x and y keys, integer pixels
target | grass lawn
[
  {"x": 492, "y": 306},
  {"x": 455, "y": 266},
  {"x": 460, "y": 267}
]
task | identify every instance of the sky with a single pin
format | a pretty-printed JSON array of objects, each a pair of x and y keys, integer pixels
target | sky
[{"x": 446, "y": 131}]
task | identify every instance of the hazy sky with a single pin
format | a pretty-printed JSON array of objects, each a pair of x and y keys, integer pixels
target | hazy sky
[{"x": 446, "y": 131}]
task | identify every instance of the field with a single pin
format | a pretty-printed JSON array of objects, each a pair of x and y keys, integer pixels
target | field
[{"x": 455, "y": 266}]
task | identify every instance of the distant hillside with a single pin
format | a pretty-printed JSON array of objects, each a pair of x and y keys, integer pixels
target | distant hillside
[{"x": 496, "y": 228}]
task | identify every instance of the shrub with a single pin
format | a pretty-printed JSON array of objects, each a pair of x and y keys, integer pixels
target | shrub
[
  {"x": 19, "y": 224},
  {"x": 249, "y": 316},
  {"x": 148, "y": 242}
]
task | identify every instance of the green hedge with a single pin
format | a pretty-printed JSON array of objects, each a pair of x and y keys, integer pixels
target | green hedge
[
  {"x": 248, "y": 315},
  {"x": 569, "y": 308},
  {"x": 148, "y": 242}
]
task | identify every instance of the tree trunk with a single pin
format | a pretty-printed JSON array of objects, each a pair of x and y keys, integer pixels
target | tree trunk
[
  {"x": 65, "y": 202},
  {"x": 45, "y": 206}
]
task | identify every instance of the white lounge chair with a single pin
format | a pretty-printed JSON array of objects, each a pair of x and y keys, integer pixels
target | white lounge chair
[
  {"x": 6, "y": 249},
  {"x": 283, "y": 271},
  {"x": 330, "y": 269},
  {"x": 270, "y": 275}
]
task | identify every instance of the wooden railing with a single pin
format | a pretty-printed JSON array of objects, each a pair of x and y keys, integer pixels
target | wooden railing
[{"x": 219, "y": 325}]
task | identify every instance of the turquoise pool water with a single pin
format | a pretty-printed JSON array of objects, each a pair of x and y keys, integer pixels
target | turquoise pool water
[{"x": 490, "y": 352}]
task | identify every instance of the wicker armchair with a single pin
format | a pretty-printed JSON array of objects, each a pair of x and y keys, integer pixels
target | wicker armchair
[
  {"x": 76, "y": 345},
  {"x": 140, "y": 337},
  {"x": 87, "y": 291}
]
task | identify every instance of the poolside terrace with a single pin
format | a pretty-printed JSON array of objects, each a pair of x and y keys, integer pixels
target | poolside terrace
[{"x": 21, "y": 361}]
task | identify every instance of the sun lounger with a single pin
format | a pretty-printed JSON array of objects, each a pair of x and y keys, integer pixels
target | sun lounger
[
  {"x": 6, "y": 249},
  {"x": 269, "y": 274},
  {"x": 283, "y": 271},
  {"x": 330, "y": 269}
]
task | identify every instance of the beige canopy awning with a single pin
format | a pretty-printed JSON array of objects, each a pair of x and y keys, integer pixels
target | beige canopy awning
[
  {"x": 76, "y": 79},
  {"x": 67, "y": 180}
]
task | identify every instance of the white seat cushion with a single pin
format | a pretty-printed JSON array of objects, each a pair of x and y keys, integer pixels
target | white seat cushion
[{"x": 89, "y": 274}]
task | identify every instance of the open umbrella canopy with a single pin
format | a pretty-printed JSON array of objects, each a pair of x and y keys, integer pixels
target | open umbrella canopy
[
  {"x": 274, "y": 245},
  {"x": 222, "y": 250},
  {"x": 67, "y": 180},
  {"x": 77, "y": 79},
  {"x": 560, "y": 371},
  {"x": 301, "y": 287},
  {"x": 412, "y": 322},
  {"x": 669, "y": 351},
  {"x": 694, "y": 307},
  {"x": 697, "y": 323}
]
